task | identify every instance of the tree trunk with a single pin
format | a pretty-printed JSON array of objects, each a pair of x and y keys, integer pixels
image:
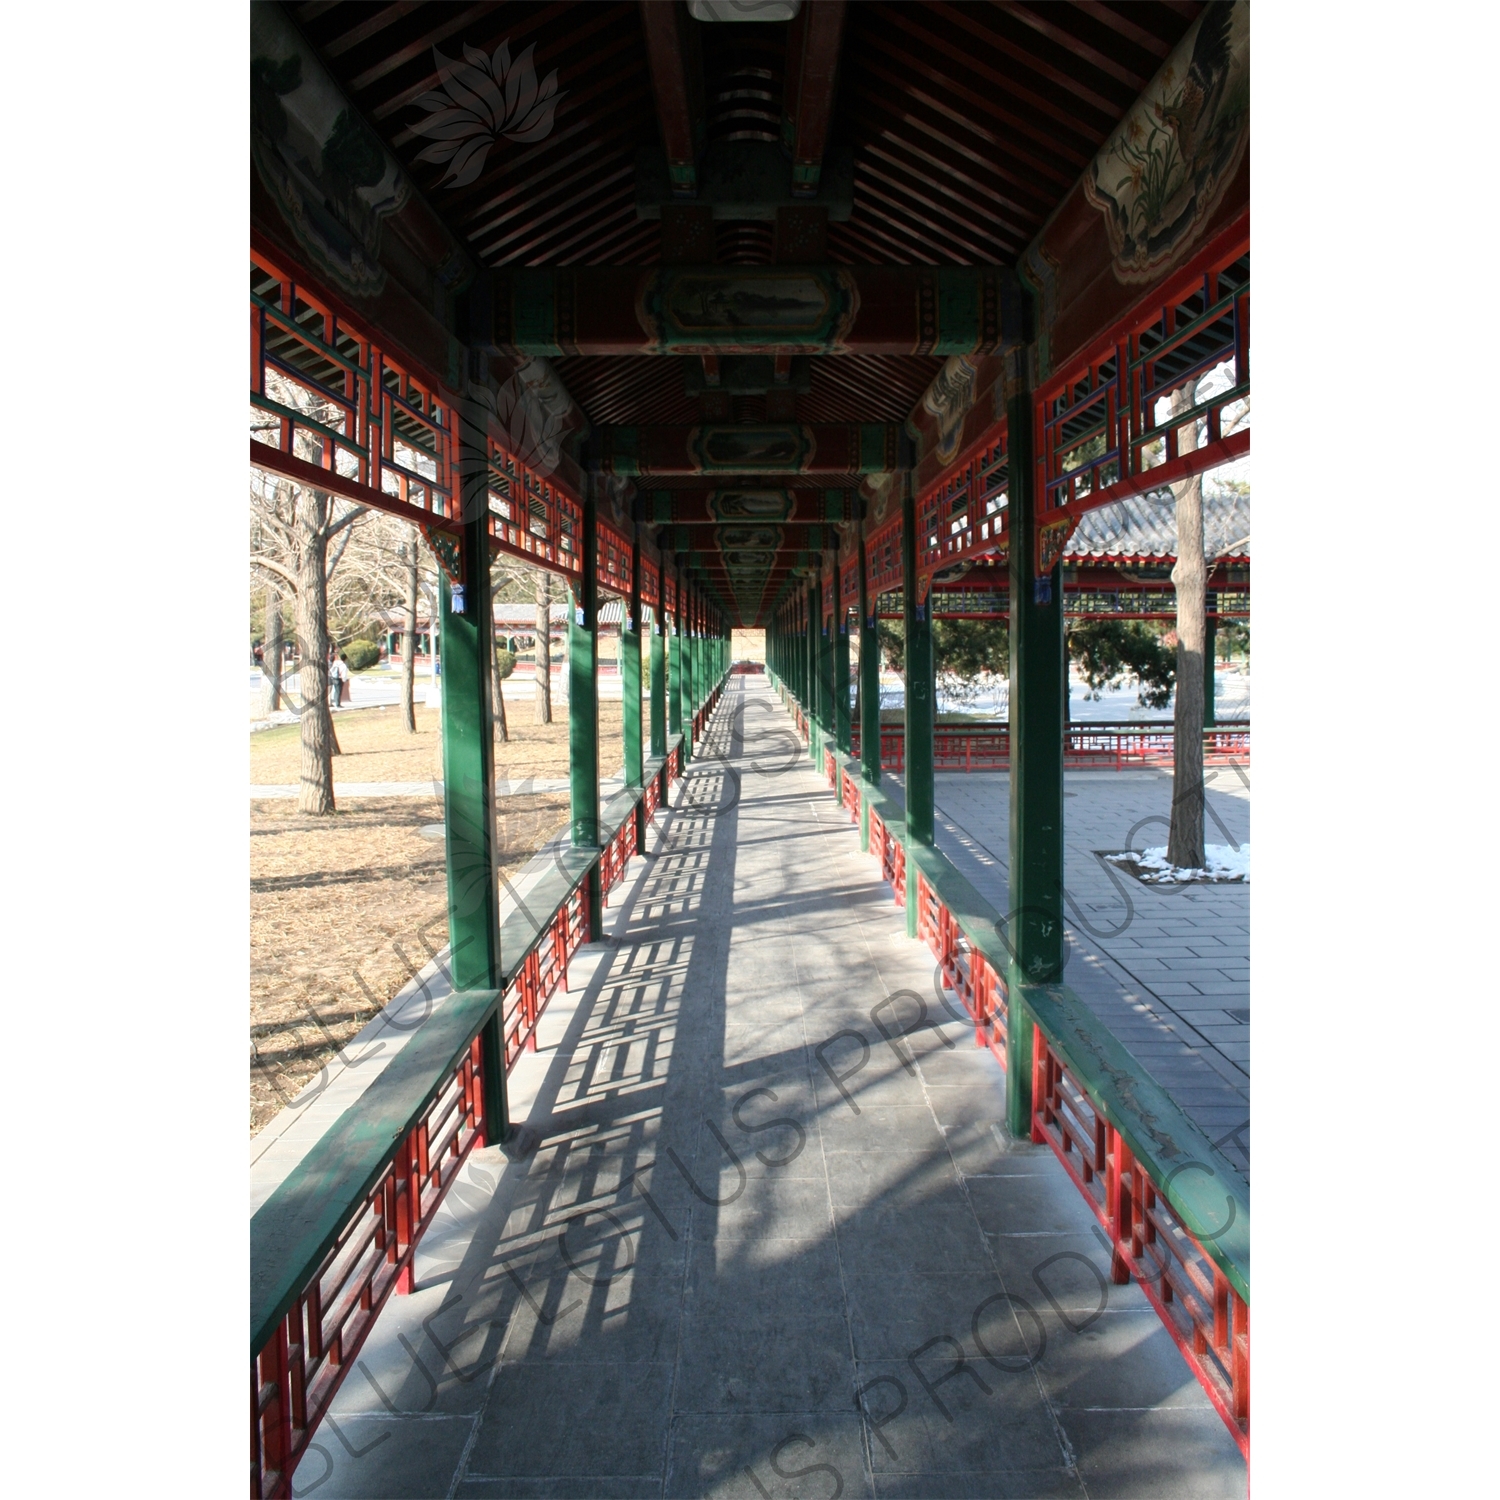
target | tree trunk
[
  {"x": 502, "y": 729},
  {"x": 1190, "y": 575},
  {"x": 409, "y": 641},
  {"x": 272, "y": 651},
  {"x": 543, "y": 647},
  {"x": 316, "y": 793}
]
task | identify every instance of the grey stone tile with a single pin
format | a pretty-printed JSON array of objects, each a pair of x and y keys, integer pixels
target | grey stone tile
[
  {"x": 382, "y": 1457},
  {"x": 893, "y": 1179},
  {"x": 564, "y": 1487},
  {"x": 1175, "y": 1454},
  {"x": 1044, "y": 1203},
  {"x": 879, "y": 1127},
  {"x": 742, "y": 1456},
  {"x": 947, "y": 1410},
  {"x": 572, "y": 1318},
  {"x": 1067, "y": 1275},
  {"x": 531, "y": 1426},
  {"x": 779, "y": 1345},
  {"x": 1022, "y": 1484},
  {"x": 1119, "y": 1358},
  {"x": 940, "y": 1236},
  {"x": 755, "y": 1262},
  {"x": 769, "y": 1205},
  {"x": 890, "y": 1318}
]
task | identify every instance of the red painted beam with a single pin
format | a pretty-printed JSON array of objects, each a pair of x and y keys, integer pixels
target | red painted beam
[
  {"x": 675, "y": 62},
  {"x": 813, "y": 42},
  {"x": 310, "y": 475},
  {"x": 1184, "y": 466}
]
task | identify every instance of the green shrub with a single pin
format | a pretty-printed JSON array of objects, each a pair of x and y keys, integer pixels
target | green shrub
[
  {"x": 361, "y": 655},
  {"x": 505, "y": 662}
]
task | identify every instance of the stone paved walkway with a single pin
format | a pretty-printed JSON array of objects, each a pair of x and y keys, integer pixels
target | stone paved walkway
[
  {"x": 1167, "y": 968},
  {"x": 759, "y": 1249}
]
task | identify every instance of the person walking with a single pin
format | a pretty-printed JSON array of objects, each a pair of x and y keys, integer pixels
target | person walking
[{"x": 338, "y": 675}]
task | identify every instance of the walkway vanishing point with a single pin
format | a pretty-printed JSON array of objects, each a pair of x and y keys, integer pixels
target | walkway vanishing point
[{"x": 765, "y": 1233}]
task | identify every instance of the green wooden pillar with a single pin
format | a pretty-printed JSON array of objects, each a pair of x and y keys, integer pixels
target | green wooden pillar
[
  {"x": 1037, "y": 683},
  {"x": 658, "y": 683},
  {"x": 810, "y": 666},
  {"x": 469, "y": 774},
  {"x": 869, "y": 675},
  {"x": 630, "y": 688},
  {"x": 583, "y": 708},
  {"x": 1210, "y": 642},
  {"x": 674, "y": 671},
  {"x": 869, "y": 692},
  {"x": 920, "y": 700},
  {"x": 690, "y": 665},
  {"x": 700, "y": 666},
  {"x": 827, "y": 627},
  {"x": 841, "y": 725},
  {"x": 801, "y": 644}
]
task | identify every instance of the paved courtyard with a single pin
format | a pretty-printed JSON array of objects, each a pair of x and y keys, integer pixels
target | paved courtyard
[
  {"x": 1167, "y": 968},
  {"x": 756, "y": 1248}
]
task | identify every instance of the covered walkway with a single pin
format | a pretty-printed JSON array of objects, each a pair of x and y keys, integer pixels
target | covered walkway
[
  {"x": 788, "y": 1161},
  {"x": 764, "y": 1231}
]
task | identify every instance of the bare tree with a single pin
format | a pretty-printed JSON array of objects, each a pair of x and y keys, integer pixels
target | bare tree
[
  {"x": 410, "y": 563},
  {"x": 543, "y": 646},
  {"x": 292, "y": 529},
  {"x": 272, "y": 649},
  {"x": 1190, "y": 577}
]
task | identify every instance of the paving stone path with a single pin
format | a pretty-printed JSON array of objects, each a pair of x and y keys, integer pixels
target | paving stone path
[
  {"x": 764, "y": 1245},
  {"x": 1167, "y": 968}
]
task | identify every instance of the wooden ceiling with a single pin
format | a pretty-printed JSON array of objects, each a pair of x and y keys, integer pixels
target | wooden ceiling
[{"x": 967, "y": 124}]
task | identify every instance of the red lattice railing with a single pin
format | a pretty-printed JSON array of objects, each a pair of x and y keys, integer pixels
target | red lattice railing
[
  {"x": 986, "y": 747},
  {"x": 329, "y": 406},
  {"x": 966, "y": 971},
  {"x": 544, "y": 971},
  {"x": 530, "y": 516},
  {"x": 1202, "y": 1311},
  {"x": 616, "y": 856},
  {"x": 883, "y": 558},
  {"x": 294, "y": 1378},
  {"x": 849, "y": 793},
  {"x": 1134, "y": 412},
  {"x": 964, "y": 514},
  {"x": 613, "y": 570},
  {"x": 1207, "y": 1318}
]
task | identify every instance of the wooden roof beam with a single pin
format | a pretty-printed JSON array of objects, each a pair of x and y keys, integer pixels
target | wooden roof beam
[
  {"x": 675, "y": 58},
  {"x": 813, "y": 41}
]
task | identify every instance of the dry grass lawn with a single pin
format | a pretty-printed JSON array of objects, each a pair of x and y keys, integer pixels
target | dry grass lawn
[
  {"x": 376, "y": 748},
  {"x": 344, "y": 910}
]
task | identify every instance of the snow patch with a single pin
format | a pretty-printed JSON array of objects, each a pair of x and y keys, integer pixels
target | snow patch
[{"x": 1221, "y": 862}]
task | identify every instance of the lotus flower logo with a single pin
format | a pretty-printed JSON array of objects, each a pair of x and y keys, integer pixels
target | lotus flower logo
[{"x": 481, "y": 100}]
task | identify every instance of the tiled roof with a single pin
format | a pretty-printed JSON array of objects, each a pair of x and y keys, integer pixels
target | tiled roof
[{"x": 1146, "y": 526}]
